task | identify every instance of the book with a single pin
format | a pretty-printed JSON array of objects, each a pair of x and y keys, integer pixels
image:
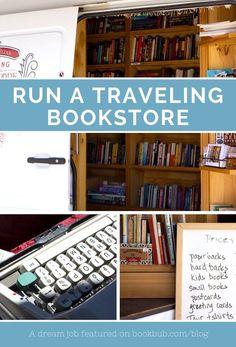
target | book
[
  {"x": 171, "y": 197},
  {"x": 222, "y": 73},
  {"x": 169, "y": 233},
  {"x": 157, "y": 231},
  {"x": 144, "y": 231},
  {"x": 135, "y": 253},
  {"x": 226, "y": 138},
  {"x": 220, "y": 206},
  {"x": 216, "y": 155},
  {"x": 106, "y": 152},
  {"x": 144, "y": 21},
  {"x": 139, "y": 228},
  {"x": 218, "y": 28},
  {"x": 124, "y": 235},
  {"x": 154, "y": 239},
  {"x": 106, "y": 52},
  {"x": 167, "y": 154},
  {"x": 147, "y": 48}
]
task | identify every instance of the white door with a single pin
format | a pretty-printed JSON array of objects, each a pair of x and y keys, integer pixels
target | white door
[
  {"x": 35, "y": 171},
  {"x": 35, "y": 166}
]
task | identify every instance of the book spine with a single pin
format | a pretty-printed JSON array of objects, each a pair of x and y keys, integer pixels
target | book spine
[
  {"x": 169, "y": 239},
  {"x": 124, "y": 229},
  {"x": 130, "y": 230},
  {"x": 144, "y": 231},
  {"x": 153, "y": 233},
  {"x": 162, "y": 260}
]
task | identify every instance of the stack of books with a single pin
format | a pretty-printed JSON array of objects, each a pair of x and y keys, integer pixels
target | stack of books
[{"x": 111, "y": 193}]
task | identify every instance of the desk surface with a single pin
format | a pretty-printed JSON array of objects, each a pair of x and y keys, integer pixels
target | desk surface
[{"x": 139, "y": 308}]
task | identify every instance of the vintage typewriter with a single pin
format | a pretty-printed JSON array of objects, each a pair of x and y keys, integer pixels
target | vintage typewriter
[{"x": 67, "y": 272}]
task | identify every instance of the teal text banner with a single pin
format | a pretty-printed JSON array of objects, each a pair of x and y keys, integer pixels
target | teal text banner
[
  {"x": 105, "y": 334},
  {"x": 118, "y": 105}
]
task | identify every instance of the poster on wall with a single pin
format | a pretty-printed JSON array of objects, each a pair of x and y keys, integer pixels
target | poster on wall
[{"x": 38, "y": 44}]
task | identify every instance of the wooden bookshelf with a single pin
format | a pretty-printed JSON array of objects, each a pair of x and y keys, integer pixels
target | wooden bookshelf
[
  {"x": 105, "y": 67},
  {"x": 224, "y": 171},
  {"x": 154, "y": 281},
  {"x": 147, "y": 281},
  {"x": 217, "y": 185},
  {"x": 134, "y": 176},
  {"x": 131, "y": 68},
  {"x": 215, "y": 53}
]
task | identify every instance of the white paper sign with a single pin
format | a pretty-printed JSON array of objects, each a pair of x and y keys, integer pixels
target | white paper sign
[{"x": 209, "y": 275}]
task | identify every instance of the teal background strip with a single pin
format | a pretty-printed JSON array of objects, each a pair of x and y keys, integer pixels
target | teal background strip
[
  {"x": 117, "y": 334},
  {"x": 206, "y": 116}
]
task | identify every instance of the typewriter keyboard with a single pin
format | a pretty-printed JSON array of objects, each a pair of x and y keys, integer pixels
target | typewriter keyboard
[{"x": 67, "y": 274}]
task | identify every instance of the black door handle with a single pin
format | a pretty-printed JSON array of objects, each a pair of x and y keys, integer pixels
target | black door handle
[{"x": 50, "y": 160}]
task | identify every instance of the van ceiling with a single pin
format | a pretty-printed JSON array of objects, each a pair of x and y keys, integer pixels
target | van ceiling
[{"x": 14, "y": 6}]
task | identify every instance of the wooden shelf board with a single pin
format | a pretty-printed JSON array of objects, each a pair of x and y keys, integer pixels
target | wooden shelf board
[
  {"x": 139, "y": 308},
  {"x": 105, "y": 207},
  {"x": 227, "y": 39},
  {"x": 218, "y": 170},
  {"x": 137, "y": 208},
  {"x": 166, "y": 168},
  {"x": 167, "y": 63},
  {"x": 105, "y": 67},
  {"x": 106, "y": 166},
  {"x": 147, "y": 268},
  {"x": 180, "y": 30},
  {"x": 105, "y": 36}
]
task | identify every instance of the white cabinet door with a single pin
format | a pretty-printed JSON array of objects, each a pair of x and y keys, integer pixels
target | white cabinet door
[{"x": 35, "y": 171}]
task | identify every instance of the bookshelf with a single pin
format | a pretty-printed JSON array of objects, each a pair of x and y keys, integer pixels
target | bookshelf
[
  {"x": 215, "y": 53},
  {"x": 135, "y": 176},
  {"x": 223, "y": 179},
  {"x": 106, "y": 46},
  {"x": 154, "y": 281}
]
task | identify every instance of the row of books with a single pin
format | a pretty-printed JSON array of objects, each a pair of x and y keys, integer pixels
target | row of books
[
  {"x": 106, "y": 152},
  {"x": 159, "y": 48},
  {"x": 142, "y": 21},
  {"x": 171, "y": 197},
  {"x": 106, "y": 52},
  {"x": 155, "y": 230},
  {"x": 168, "y": 72},
  {"x": 112, "y": 74},
  {"x": 110, "y": 193},
  {"x": 167, "y": 154},
  {"x": 105, "y": 25}
]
